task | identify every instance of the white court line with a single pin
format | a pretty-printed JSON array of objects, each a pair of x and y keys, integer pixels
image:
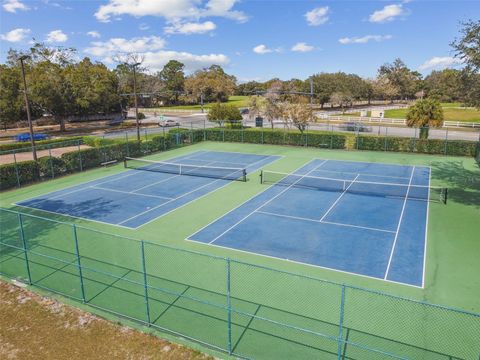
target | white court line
[
  {"x": 365, "y": 174},
  {"x": 304, "y": 263},
  {"x": 179, "y": 197},
  {"x": 426, "y": 229},
  {"x": 267, "y": 202},
  {"x": 164, "y": 180},
  {"x": 324, "y": 222},
  {"x": 129, "y": 192},
  {"x": 338, "y": 199},
  {"x": 200, "y": 197},
  {"x": 398, "y": 226}
]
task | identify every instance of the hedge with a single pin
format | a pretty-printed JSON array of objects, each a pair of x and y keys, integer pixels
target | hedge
[
  {"x": 27, "y": 145},
  {"x": 477, "y": 156},
  {"x": 25, "y": 172},
  {"x": 425, "y": 146}
]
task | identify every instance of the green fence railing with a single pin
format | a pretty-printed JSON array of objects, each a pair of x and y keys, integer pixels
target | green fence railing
[{"x": 243, "y": 309}]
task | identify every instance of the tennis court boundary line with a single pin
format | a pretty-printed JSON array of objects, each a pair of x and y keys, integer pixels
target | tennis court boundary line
[
  {"x": 246, "y": 201},
  {"x": 275, "y": 157},
  {"x": 303, "y": 263}
]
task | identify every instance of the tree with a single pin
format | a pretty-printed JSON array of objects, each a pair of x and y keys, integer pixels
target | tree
[
  {"x": 224, "y": 112},
  {"x": 425, "y": 113},
  {"x": 213, "y": 83},
  {"x": 173, "y": 78},
  {"x": 445, "y": 85},
  {"x": 12, "y": 106},
  {"x": 299, "y": 115},
  {"x": 467, "y": 48},
  {"x": 405, "y": 81},
  {"x": 384, "y": 89}
]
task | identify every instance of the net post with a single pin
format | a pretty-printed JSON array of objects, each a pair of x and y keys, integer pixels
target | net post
[
  {"x": 261, "y": 176},
  {"x": 445, "y": 197},
  {"x": 229, "y": 308},
  {"x": 25, "y": 249},
  {"x": 145, "y": 283},
  {"x": 340, "y": 324},
  {"x": 244, "y": 175},
  {"x": 125, "y": 162},
  {"x": 79, "y": 264}
]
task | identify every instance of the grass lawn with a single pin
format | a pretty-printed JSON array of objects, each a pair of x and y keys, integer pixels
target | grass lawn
[
  {"x": 238, "y": 101},
  {"x": 451, "y": 111}
]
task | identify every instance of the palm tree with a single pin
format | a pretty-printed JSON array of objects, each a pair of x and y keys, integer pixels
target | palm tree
[{"x": 425, "y": 113}]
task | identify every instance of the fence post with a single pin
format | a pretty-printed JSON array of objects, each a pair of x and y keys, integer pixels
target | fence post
[
  {"x": 25, "y": 249},
  {"x": 16, "y": 170},
  {"x": 79, "y": 264},
  {"x": 331, "y": 137},
  {"x": 80, "y": 156},
  {"x": 51, "y": 162},
  {"x": 223, "y": 134},
  {"x": 145, "y": 284},
  {"x": 229, "y": 309},
  {"x": 340, "y": 324},
  {"x": 386, "y": 137},
  {"x": 204, "y": 129},
  {"x": 446, "y": 141},
  {"x": 243, "y": 131}
]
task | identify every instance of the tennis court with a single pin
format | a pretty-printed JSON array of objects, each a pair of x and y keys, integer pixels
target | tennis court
[
  {"x": 149, "y": 189},
  {"x": 363, "y": 218}
]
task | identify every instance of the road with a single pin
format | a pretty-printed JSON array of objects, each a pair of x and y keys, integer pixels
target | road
[{"x": 199, "y": 121}]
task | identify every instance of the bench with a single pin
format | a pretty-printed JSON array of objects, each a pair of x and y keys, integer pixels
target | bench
[{"x": 108, "y": 163}]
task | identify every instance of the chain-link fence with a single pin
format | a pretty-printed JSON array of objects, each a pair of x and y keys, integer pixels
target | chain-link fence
[{"x": 242, "y": 309}]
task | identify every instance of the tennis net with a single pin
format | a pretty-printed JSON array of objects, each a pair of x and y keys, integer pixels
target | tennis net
[
  {"x": 414, "y": 192},
  {"x": 189, "y": 170}
]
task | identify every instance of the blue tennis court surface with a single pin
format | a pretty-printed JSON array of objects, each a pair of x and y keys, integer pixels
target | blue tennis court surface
[
  {"x": 135, "y": 197},
  {"x": 371, "y": 220}
]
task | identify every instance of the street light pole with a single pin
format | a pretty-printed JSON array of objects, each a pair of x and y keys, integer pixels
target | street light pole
[
  {"x": 27, "y": 106},
  {"x": 134, "y": 66}
]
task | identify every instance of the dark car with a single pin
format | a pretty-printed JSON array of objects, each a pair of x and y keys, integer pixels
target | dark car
[
  {"x": 356, "y": 126},
  {"x": 244, "y": 111},
  {"x": 23, "y": 137}
]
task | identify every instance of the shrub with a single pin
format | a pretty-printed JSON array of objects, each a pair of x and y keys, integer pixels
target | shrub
[
  {"x": 25, "y": 172},
  {"x": 141, "y": 116},
  {"x": 39, "y": 144}
]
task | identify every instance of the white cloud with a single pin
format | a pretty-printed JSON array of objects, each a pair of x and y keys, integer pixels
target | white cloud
[
  {"x": 302, "y": 47},
  {"x": 151, "y": 48},
  {"x": 119, "y": 45},
  {"x": 317, "y": 16},
  {"x": 388, "y": 13},
  {"x": 15, "y": 35},
  {"x": 56, "y": 36},
  {"x": 438, "y": 62},
  {"x": 262, "y": 49},
  {"x": 143, "y": 27},
  {"x": 93, "y": 34},
  {"x": 364, "y": 39},
  {"x": 155, "y": 61},
  {"x": 190, "y": 28},
  {"x": 14, "y": 5},
  {"x": 172, "y": 10}
]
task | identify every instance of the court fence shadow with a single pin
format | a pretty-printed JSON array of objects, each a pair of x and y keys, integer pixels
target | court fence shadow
[{"x": 245, "y": 310}]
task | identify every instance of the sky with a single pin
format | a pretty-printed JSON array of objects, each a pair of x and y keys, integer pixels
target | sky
[{"x": 253, "y": 40}]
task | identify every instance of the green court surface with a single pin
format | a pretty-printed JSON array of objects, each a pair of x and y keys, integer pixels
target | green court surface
[{"x": 253, "y": 306}]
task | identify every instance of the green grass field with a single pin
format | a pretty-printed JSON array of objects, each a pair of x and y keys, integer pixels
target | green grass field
[
  {"x": 451, "y": 111},
  {"x": 238, "y": 101},
  {"x": 451, "y": 268}
]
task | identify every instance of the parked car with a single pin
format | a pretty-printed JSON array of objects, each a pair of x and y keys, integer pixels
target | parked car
[
  {"x": 244, "y": 111},
  {"x": 356, "y": 126},
  {"x": 23, "y": 137},
  {"x": 168, "y": 123}
]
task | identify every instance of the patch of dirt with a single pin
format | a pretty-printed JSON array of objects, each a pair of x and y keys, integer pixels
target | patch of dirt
[{"x": 37, "y": 327}]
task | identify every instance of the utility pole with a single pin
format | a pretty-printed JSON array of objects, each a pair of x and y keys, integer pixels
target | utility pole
[
  {"x": 134, "y": 67},
  {"x": 27, "y": 106}
]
